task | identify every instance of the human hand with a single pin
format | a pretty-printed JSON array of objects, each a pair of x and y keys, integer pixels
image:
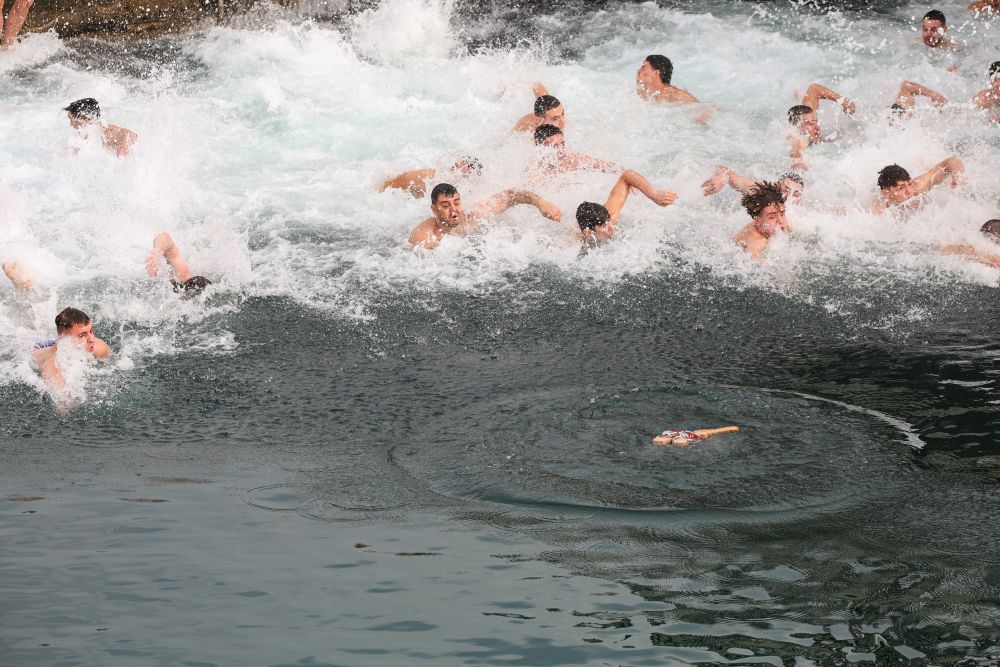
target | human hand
[
  {"x": 153, "y": 264},
  {"x": 549, "y": 210},
  {"x": 848, "y": 105},
  {"x": 715, "y": 182},
  {"x": 664, "y": 197}
]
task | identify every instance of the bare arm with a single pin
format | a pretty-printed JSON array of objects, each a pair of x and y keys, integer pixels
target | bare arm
[
  {"x": 502, "y": 201},
  {"x": 816, "y": 92},
  {"x": 539, "y": 89},
  {"x": 15, "y": 20},
  {"x": 632, "y": 179},
  {"x": 949, "y": 167},
  {"x": 119, "y": 139},
  {"x": 967, "y": 251},
  {"x": 48, "y": 369},
  {"x": 415, "y": 181},
  {"x": 721, "y": 177},
  {"x": 986, "y": 99},
  {"x": 423, "y": 234},
  {"x": 909, "y": 89},
  {"x": 22, "y": 281},
  {"x": 164, "y": 246}
]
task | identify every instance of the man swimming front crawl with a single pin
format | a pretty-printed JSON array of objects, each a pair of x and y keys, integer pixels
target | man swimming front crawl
[
  {"x": 803, "y": 118},
  {"x": 898, "y": 189},
  {"x": 560, "y": 159},
  {"x": 86, "y": 113},
  {"x": 416, "y": 180},
  {"x": 598, "y": 223},
  {"x": 450, "y": 219},
  {"x": 182, "y": 279},
  {"x": 652, "y": 82},
  {"x": 547, "y": 111},
  {"x": 72, "y": 326},
  {"x": 791, "y": 184},
  {"x": 765, "y": 204},
  {"x": 15, "y": 21}
]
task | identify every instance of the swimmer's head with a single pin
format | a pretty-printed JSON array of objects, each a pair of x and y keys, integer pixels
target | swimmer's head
[
  {"x": 83, "y": 111},
  {"x": 991, "y": 228},
  {"x": 550, "y": 111},
  {"x": 76, "y": 324},
  {"x": 765, "y": 203},
  {"x": 803, "y": 118},
  {"x": 593, "y": 220},
  {"x": 468, "y": 166},
  {"x": 549, "y": 135},
  {"x": 933, "y": 28},
  {"x": 895, "y": 184},
  {"x": 791, "y": 185},
  {"x": 446, "y": 205},
  {"x": 658, "y": 65},
  {"x": 191, "y": 285}
]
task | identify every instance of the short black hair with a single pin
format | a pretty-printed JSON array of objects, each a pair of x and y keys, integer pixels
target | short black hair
[
  {"x": 193, "y": 284},
  {"x": 760, "y": 196},
  {"x": 543, "y": 132},
  {"x": 662, "y": 65},
  {"x": 995, "y": 69},
  {"x": 797, "y": 112},
  {"x": 472, "y": 163},
  {"x": 442, "y": 190},
  {"x": 891, "y": 175},
  {"x": 992, "y": 229},
  {"x": 897, "y": 109},
  {"x": 590, "y": 215},
  {"x": 86, "y": 108},
  {"x": 545, "y": 103},
  {"x": 936, "y": 15},
  {"x": 792, "y": 176},
  {"x": 68, "y": 317}
]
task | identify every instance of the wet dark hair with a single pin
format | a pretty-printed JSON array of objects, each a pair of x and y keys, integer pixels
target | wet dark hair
[
  {"x": 69, "y": 317},
  {"x": 545, "y": 103},
  {"x": 86, "y": 108},
  {"x": 797, "y": 112},
  {"x": 891, "y": 175},
  {"x": 472, "y": 163},
  {"x": 992, "y": 229},
  {"x": 662, "y": 65},
  {"x": 898, "y": 110},
  {"x": 760, "y": 196},
  {"x": 590, "y": 215},
  {"x": 995, "y": 69},
  {"x": 543, "y": 132},
  {"x": 792, "y": 176},
  {"x": 936, "y": 15},
  {"x": 193, "y": 284},
  {"x": 442, "y": 190}
]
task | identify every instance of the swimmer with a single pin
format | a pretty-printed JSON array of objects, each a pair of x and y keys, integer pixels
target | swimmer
[
  {"x": 598, "y": 223},
  {"x": 85, "y": 113},
  {"x": 73, "y": 326},
  {"x": 682, "y": 438},
  {"x": 791, "y": 184},
  {"x": 765, "y": 203},
  {"x": 652, "y": 82},
  {"x": 932, "y": 30},
  {"x": 897, "y": 189},
  {"x": 416, "y": 180},
  {"x": 561, "y": 160},
  {"x": 906, "y": 98},
  {"x": 990, "y": 230},
  {"x": 449, "y": 218},
  {"x": 989, "y": 99},
  {"x": 548, "y": 111},
  {"x": 985, "y": 7},
  {"x": 181, "y": 277},
  {"x": 15, "y": 21},
  {"x": 803, "y": 118}
]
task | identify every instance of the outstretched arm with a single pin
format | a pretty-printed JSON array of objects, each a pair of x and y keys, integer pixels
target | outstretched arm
[
  {"x": 970, "y": 252},
  {"x": 502, "y": 201},
  {"x": 949, "y": 167},
  {"x": 632, "y": 179},
  {"x": 721, "y": 177},
  {"x": 164, "y": 246},
  {"x": 816, "y": 92},
  {"x": 15, "y": 20},
  {"x": 909, "y": 90},
  {"x": 415, "y": 181},
  {"x": 22, "y": 281}
]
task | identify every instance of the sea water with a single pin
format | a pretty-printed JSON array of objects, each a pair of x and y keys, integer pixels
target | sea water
[{"x": 487, "y": 406}]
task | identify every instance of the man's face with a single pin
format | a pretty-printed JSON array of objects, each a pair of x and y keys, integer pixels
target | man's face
[
  {"x": 77, "y": 122},
  {"x": 647, "y": 76},
  {"x": 555, "y": 117},
  {"x": 770, "y": 220},
  {"x": 932, "y": 32},
  {"x": 792, "y": 190},
  {"x": 557, "y": 141},
  {"x": 809, "y": 126},
  {"x": 900, "y": 192},
  {"x": 599, "y": 233},
  {"x": 82, "y": 335},
  {"x": 448, "y": 210}
]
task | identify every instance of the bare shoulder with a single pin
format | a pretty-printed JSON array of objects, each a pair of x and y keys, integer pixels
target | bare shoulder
[{"x": 423, "y": 234}]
